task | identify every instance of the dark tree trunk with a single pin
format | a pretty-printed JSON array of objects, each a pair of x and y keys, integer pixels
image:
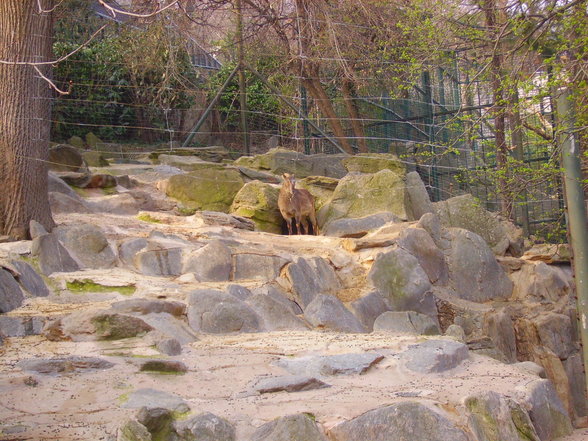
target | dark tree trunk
[
  {"x": 351, "y": 106},
  {"x": 25, "y": 112}
]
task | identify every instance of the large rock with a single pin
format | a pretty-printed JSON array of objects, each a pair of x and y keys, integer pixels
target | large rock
[
  {"x": 299, "y": 427},
  {"x": 217, "y": 312},
  {"x": 368, "y": 308},
  {"x": 188, "y": 163},
  {"x": 19, "y": 326},
  {"x": 257, "y": 266},
  {"x": 30, "y": 280},
  {"x": 373, "y": 163},
  {"x": 211, "y": 263},
  {"x": 210, "y": 218},
  {"x": 406, "y": 322},
  {"x": 310, "y": 277},
  {"x": 495, "y": 417},
  {"x": 546, "y": 410},
  {"x": 434, "y": 356},
  {"x": 419, "y": 202},
  {"x": 11, "y": 296},
  {"x": 205, "y": 427},
  {"x": 170, "y": 326},
  {"x": 149, "y": 306},
  {"x": 53, "y": 257},
  {"x": 327, "y": 312},
  {"x": 275, "y": 316},
  {"x": 62, "y": 203},
  {"x": 498, "y": 325},
  {"x": 88, "y": 245},
  {"x": 159, "y": 259},
  {"x": 574, "y": 368},
  {"x": 541, "y": 283},
  {"x": 288, "y": 383},
  {"x": 359, "y": 195},
  {"x": 465, "y": 212},
  {"x": 258, "y": 201},
  {"x": 58, "y": 185},
  {"x": 61, "y": 365},
  {"x": 66, "y": 158},
  {"x": 123, "y": 203},
  {"x": 206, "y": 189},
  {"x": 406, "y": 421},
  {"x": 358, "y": 227},
  {"x": 474, "y": 272},
  {"x": 128, "y": 248},
  {"x": 421, "y": 245},
  {"x": 152, "y": 398},
  {"x": 555, "y": 333},
  {"x": 321, "y": 187},
  {"x": 402, "y": 282},
  {"x": 328, "y": 365},
  {"x": 281, "y": 160}
]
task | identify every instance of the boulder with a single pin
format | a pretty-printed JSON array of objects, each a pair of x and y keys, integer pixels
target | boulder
[
  {"x": 206, "y": 189},
  {"x": 188, "y": 163},
  {"x": 58, "y": 185},
  {"x": 238, "y": 291},
  {"x": 541, "y": 283},
  {"x": 368, "y": 308},
  {"x": 310, "y": 277},
  {"x": 373, "y": 163},
  {"x": 434, "y": 356},
  {"x": 257, "y": 266},
  {"x": 128, "y": 248},
  {"x": 211, "y": 263},
  {"x": 169, "y": 346},
  {"x": 546, "y": 410},
  {"x": 419, "y": 202},
  {"x": 321, "y": 187},
  {"x": 280, "y": 161},
  {"x": 152, "y": 398},
  {"x": 258, "y": 202},
  {"x": 64, "y": 365},
  {"x": 88, "y": 245},
  {"x": 499, "y": 326},
  {"x": 421, "y": 245},
  {"x": 288, "y": 383},
  {"x": 11, "y": 296},
  {"x": 162, "y": 366},
  {"x": 205, "y": 427},
  {"x": 474, "y": 272},
  {"x": 65, "y": 158},
  {"x": 20, "y": 326},
  {"x": 170, "y": 326},
  {"x": 275, "y": 316},
  {"x": 358, "y": 227},
  {"x": 495, "y": 417},
  {"x": 327, "y": 312},
  {"x": 329, "y": 365},
  {"x": 555, "y": 333},
  {"x": 76, "y": 142},
  {"x": 123, "y": 203},
  {"x": 210, "y": 218},
  {"x": 360, "y": 195},
  {"x": 53, "y": 257},
  {"x": 299, "y": 427},
  {"x": 158, "y": 421},
  {"x": 574, "y": 368},
  {"x": 402, "y": 282},
  {"x": 63, "y": 203},
  {"x": 94, "y": 159},
  {"x": 406, "y": 322},
  {"x": 257, "y": 175},
  {"x": 30, "y": 280},
  {"x": 92, "y": 141},
  {"x": 465, "y": 212},
  {"x": 149, "y": 306},
  {"x": 276, "y": 293},
  {"x": 132, "y": 430},
  {"x": 470, "y": 316},
  {"x": 159, "y": 260},
  {"x": 405, "y": 421}
]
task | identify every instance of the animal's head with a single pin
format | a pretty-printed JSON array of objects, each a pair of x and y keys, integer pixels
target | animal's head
[{"x": 289, "y": 181}]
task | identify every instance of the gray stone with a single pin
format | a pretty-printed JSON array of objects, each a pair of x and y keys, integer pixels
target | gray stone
[
  {"x": 163, "y": 366},
  {"x": 64, "y": 365},
  {"x": 368, "y": 308},
  {"x": 575, "y": 371},
  {"x": 63, "y": 203},
  {"x": 474, "y": 272},
  {"x": 87, "y": 244},
  {"x": 123, "y": 203},
  {"x": 66, "y": 158},
  {"x": 456, "y": 332},
  {"x": 238, "y": 291},
  {"x": 157, "y": 260},
  {"x": 169, "y": 346},
  {"x": 493, "y": 417},
  {"x": 170, "y": 326},
  {"x": 158, "y": 421},
  {"x": 20, "y": 326},
  {"x": 434, "y": 356},
  {"x": 58, "y": 185},
  {"x": 310, "y": 277},
  {"x": 288, "y": 383},
  {"x": 402, "y": 282},
  {"x": 421, "y": 245},
  {"x": 36, "y": 229},
  {"x": 279, "y": 295},
  {"x": 257, "y": 266},
  {"x": 30, "y": 280},
  {"x": 538, "y": 282},
  {"x": 470, "y": 316},
  {"x": 299, "y": 427},
  {"x": 11, "y": 296},
  {"x": 152, "y": 398},
  {"x": 147, "y": 306},
  {"x": 328, "y": 365},
  {"x": 358, "y": 227},
  {"x": 405, "y": 421},
  {"x": 53, "y": 257},
  {"x": 258, "y": 202},
  {"x": 500, "y": 328},
  {"x": 210, "y": 218},
  {"x": 211, "y": 263},
  {"x": 419, "y": 202},
  {"x": 327, "y": 311},
  {"x": 406, "y": 322},
  {"x": 274, "y": 315},
  {"x": 431, "y": 223},
  {"x": 132, "y": 430},
  {"x": 206, "y": 427},
  {"x": 218, "y": 312},
  {"x": 549, "y": 416},
  {"x": 531, "y": 367},
  {"x": 128, "y": 248}
]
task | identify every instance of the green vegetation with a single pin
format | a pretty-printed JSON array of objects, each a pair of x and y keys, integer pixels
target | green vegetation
[{"x": 87, "y": 285}]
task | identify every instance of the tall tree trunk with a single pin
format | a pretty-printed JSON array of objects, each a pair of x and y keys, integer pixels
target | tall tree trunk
[
  {"x": 25, "y": 110},
  {"x": 351, "y": 106}
]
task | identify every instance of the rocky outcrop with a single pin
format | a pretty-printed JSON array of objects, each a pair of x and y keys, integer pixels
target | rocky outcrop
[{"x": 258, "y": 202}]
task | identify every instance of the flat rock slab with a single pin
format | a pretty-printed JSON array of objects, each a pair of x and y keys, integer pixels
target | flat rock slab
[
  {"x": 155, "y": 398},
  {"x": 163, "y": 366},
  {"x": 11, "y": 296},
  {"x": 299, "y": 427},
  {"x": 288, "y": 383},
  {"x": 341, "y": 364},
  {"x": 434, "y": 356},
  {"x": 64, "y": 365}
]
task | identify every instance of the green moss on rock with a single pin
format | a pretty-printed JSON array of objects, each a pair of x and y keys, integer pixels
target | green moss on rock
[{"x": 87, "y": 285}]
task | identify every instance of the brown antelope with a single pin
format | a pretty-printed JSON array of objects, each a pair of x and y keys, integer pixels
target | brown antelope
[{"x": 298, "y": 204}]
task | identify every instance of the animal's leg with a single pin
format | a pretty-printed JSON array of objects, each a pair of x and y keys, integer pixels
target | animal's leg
[
  {"x": 298, "y": 230},
  {"x": 315, "y": 227},
  {"x": 305, "y": 225},
  {"x": 289, "y": 223}
]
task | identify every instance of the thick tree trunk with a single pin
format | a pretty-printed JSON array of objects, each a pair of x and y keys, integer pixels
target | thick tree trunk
[
  {"x": 351, "y": 106},
  {"x": 25, "y": 110}
]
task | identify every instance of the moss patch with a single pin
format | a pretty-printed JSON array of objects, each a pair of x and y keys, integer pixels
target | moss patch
[
  {"x": 87, "y": 285},
  {"x": 148, "y": 218}
]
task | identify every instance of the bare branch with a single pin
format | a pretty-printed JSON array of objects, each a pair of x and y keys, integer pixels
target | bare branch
[
  {"x": 114, "y": 11},
  {"x": 52, "y": 84},
  {"x": 46, "y": 11}
]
